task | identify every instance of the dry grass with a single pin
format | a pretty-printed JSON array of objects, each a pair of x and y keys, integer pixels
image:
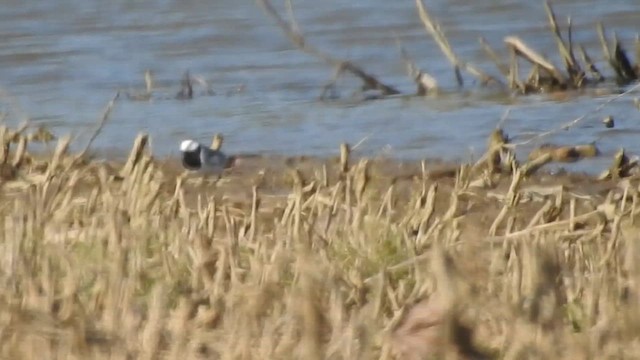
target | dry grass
[{"x": 332, "y": 261}]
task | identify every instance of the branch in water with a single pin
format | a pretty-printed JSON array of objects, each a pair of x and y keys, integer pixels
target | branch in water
[
  {"x": 298, "y": 40},
  {"x": 434, "y": 29}
]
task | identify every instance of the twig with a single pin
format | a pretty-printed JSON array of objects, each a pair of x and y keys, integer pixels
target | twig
[
  {"x": 603, "y": 41},
  {"x": 618, "y": 60},
  {"x": 534, "y": 165},
  {"x": 534, "y": 76},
  {"x": 425, "y": 82},
  {"x": 580, "y": 75},
  {"x": 101, "y": 124},
  {"x": 566, "y": 51},
  {"x": 148, "y": 81},
  {"x": 573, "y": 122},
  {"x": 434, "y": 29},
  {"x": 400, "y": 266},
  {"x": 362, "y": 141},
  {"x": 504, "y": 69},
  {"x": 494, "y": 145},
  {"x": 296, "y": 37},
  {"x": 294, "y": 23},
  {"x": 590, "y": 65},
  {"x": 20, "y": 152},
  {"x": 511, "y": 200},
  {"x": 570, "y": 40},
  {"x": 135, "y": 155},
  {"x": 204, "y": 83},
  {"x": 622, "y": 64},
  {"x": 532, "y": 56},
  {"x": 56, "y": 159},
  {"x": 527, "y": 231},
  {"x": 186, "y": 87},
  {"x": 331, "y": 84},
  {"x": 503, "y": 118},
  {"x": 514, "y": 78}
]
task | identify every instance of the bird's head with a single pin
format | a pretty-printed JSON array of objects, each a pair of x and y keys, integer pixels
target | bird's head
[{"x": 189, "y": 145}]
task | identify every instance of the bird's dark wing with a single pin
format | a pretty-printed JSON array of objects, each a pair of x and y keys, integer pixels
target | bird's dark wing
[
  {"x": 191, "y": 160},
  {"x": 213, "y": 159}
]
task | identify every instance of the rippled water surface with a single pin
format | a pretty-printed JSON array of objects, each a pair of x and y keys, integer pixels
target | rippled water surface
[{"x": 61, "y": 61}]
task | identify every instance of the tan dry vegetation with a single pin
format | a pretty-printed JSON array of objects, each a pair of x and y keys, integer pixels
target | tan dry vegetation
[{"x": 312, "y": 259}]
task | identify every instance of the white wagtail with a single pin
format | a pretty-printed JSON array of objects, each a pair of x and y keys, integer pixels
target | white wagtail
[{"x": 202, "y": 159}]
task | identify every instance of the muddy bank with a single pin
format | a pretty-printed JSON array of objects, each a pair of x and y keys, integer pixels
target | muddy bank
[
  {"x": 317, "y": 257},
  {"x": 274, "y": 179}
]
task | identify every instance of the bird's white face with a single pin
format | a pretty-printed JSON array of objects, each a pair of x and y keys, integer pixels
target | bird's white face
[{"x": 189, "y": 145}]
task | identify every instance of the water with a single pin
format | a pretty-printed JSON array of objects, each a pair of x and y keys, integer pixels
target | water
[{"x": 60, "y": 63}]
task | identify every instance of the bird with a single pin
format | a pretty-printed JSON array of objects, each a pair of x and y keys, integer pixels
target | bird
[{"x": 202, "y": 159}]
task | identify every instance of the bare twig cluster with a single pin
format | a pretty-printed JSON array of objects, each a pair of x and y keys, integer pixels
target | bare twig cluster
[
  {"x": 292, "y": 31},
  {"x": 436, "y": 32},
  {"x": 190, "y": 86},
  {"x": 500, "y": 159},
  {"x": 543, "y": 76}
]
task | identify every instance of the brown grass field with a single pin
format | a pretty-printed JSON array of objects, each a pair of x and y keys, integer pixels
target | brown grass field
[{"x": 304, "y": 258}]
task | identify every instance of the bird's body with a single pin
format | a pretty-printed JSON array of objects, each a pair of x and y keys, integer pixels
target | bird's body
[{"x": 199, "y": 158}]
